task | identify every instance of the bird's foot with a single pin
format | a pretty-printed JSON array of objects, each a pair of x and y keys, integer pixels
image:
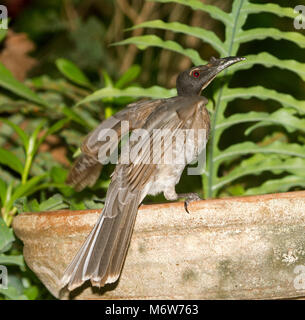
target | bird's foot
[{"x": 189, "y": 197}]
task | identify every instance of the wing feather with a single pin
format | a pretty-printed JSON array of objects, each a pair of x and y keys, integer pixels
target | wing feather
[{"x": 102, "y": 255}]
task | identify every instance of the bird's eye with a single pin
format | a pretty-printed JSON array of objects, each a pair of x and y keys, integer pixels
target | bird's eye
[{"x": 196, "y": 74}]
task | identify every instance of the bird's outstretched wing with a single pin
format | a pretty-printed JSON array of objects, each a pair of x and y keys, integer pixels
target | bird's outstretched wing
[
  {"x": 101, "y": 257},
  {"x": 87, "y": 167}
]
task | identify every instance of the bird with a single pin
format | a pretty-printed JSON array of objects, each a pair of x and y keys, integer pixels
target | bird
[{"x": 101, "y": 257}]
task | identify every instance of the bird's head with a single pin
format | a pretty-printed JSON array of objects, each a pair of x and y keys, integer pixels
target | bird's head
[{"x": 192, "y": 81}]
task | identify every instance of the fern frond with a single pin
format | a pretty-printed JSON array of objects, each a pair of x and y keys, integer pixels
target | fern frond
[
  {"x": 258, "y": 164},
  {"x": 248, "y": 147},
  {"x": 154, "y": 92},
  {"x": 280, "y": 117},
  {"x": 262, "y": 93},
  {"x": 278, "y": 185},
  {"x": 289, "y": 116},
  {"x": 205, "y": 35},
  {"x": 142, "y": 42},
  {"x": 268, "y": 60},
  {"x": 213, "y": 11},
  {"x": 263, "y": 33},
  {"x": 269, "y": 8}
]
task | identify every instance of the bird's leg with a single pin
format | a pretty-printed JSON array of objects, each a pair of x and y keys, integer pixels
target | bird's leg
[
  {"x": 171, "y": 195},
  {"x": 189, "y": 197}
]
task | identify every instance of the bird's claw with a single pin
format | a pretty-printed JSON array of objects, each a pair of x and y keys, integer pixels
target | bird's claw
[{"x": 189, "y": 197}]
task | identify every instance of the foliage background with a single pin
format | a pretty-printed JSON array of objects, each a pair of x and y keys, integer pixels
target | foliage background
[{"x": 57, "y": 53}]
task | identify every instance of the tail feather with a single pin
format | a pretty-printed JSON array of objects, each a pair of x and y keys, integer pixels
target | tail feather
[
  {"x": 85, "y": 172},
  {"x": 102, "y": 250},
  {"x": 73, "y": 273},
  {"x": 117, "y": 260},
  {"x": 120, "y": 247},
  {"x": 102, "y": 255}
]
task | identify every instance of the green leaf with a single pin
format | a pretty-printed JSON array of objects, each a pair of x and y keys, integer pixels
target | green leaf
[
  {"x": 33, "y": 206},
  {"x": 131, "y": 74},
  {"x": 33, "y": 137},
  {"x": 142, "y": 42},
  {"x": 22, "y": 135},
  {"x": 262, "y": 93},
  {"x": 241, "y": 117},
  {"x": 263, "y": 33},
  {"x": 152, "y": 92},
  {"x": 56, "y": 202},
  {"x": 278, "y": 185},
  {"x": 280, "y": 117},
  {"x": 26, "y": 189},
  {"x": 58, "y": 125},
  {"x": 59, "y": 174},
  {"x": 91, "y": 204},
  {"x": 107, "y": 80},
  {"x": 288, "y": 149},
  {"x": 13, "y": 293},
  {"x": 3, "y": 189},
  {"x": 268, "y": 60},
  {"x": 46, "y": 185},
  {"x": 214, "y": 11},
  {"x": 8, "y": 82},
  {"x": 8, "y": 196},
  {"x": 202, "y": 34},
  {"x": 30, "y": 151},
  {"x": 3, "y": 32},
  {"x": 259, "y": 163},
  {"x": 12, "y": 260},
  {"x": 102, "y": 184},
  {"x": 6, "y": 237},
  {"x": 22, "y": 205},
  {"x": 72, "y": 72},
  {"x": 32, "y": 292},
  {"x": 269, "y": 8},
  {"x": 72, "y": 115},
  {"x": 9, "y": 159}
]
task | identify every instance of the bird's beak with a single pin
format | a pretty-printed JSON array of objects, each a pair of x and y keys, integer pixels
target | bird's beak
[{"x": 215, "y": 66}]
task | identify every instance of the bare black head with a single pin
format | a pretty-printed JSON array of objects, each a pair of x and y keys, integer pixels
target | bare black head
[{"x": 192, "y": 81}]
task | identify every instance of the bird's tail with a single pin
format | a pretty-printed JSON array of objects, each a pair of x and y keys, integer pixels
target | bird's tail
[
  {"x": 102, "y": 255},
  {"x": 85, "y": 172}
]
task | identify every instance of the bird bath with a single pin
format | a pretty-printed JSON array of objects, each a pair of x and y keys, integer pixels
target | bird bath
[{"x": 233, "y": 248}]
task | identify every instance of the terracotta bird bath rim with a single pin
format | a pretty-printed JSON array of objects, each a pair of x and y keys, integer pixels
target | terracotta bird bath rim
[{"x": 228, "y": 248}]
